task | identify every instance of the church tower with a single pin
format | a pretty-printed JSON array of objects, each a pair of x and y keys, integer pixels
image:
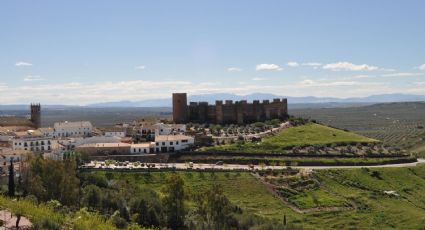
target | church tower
[{"x": 36, "y": 115}]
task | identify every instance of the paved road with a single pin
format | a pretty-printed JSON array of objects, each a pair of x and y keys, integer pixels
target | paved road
[{"x": 185, "y": 166}]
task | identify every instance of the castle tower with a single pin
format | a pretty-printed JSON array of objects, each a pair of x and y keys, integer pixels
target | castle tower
[
  {"x": 36, "y": 115},
  {"x": 180, "y": 107}
]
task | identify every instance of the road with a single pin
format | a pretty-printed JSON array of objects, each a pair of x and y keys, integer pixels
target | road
[{"x": 201, "y": 166}]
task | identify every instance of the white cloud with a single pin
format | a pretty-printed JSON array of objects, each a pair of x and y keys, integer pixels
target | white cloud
[
  {"x": 234, "y": 69},
  {"x": 270, "y": 67},
  {"x": 421, "y": 67},
  {"x": 21, "y": 63},
  {"x": 312, "y": 83},
  {"x": 33, "y": 78},
  {"x": 313, "y": 64},
  {"x": 338, "y": 66},
  {"x": 419, "y": 83},
  {"x": 140, "y": 67},
  {"x": 293, "y": 64},
  {"x": 402, "y": 74},
  {"x": 258, "y": 79}
]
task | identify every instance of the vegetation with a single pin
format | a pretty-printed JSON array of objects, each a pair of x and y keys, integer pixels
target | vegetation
[
  {"x": 399, "y": 125},
  {"x": 359, "y": 192},
  {"x": 299, "y": 136}
]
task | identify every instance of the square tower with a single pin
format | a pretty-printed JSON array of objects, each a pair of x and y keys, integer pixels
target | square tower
[{"x": 36, "y": 115}]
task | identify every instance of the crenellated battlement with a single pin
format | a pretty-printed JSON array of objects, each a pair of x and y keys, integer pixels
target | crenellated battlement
[{"x": 230, "y": 111}]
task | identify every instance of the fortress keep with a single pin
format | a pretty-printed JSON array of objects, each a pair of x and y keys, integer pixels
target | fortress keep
[{"x": 228, "y": 112}]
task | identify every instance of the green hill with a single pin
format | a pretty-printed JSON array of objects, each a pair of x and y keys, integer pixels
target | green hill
[
  {"x": 304, "y": 135},
  {"x": 361, "y": 188}
]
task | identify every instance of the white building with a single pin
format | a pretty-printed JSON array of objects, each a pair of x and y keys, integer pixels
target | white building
[
  {"x": 47, "y": 132},
  {"x": 141, "y": 148},
  {"x": 172, "y": 143},
  {"x": 32, "y": 140},
  {"x": 73, "y": 129},
  {"x": 71, "y": 143},
  {"x": 168, "y": 129},
  {"x": 115, "y": 132}
]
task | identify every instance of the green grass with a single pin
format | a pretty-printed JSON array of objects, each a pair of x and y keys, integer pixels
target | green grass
[
  {"x": 317, "y": 198},
  {"x": 241, "y": 188},
  {"x": 294, "y": 161},
  {"x": 305, "y": 135},
  {"x": 375, "y": 210}
]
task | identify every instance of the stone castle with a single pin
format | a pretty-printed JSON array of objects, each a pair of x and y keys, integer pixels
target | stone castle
[{"x": 229, "y": 112}]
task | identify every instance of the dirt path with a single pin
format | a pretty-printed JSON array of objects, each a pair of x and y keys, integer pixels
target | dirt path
[{"x": 9, "y": 220}]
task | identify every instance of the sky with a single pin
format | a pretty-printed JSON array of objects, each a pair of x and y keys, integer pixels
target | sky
[{"x": 80, "y": 52}]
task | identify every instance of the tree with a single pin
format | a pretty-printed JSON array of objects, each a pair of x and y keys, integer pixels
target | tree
[
  {"x": 11, "y": 184},
  {"x": 213, "y": 209},
  {"x": 49, "y": 179},
  {"x": 174, "y": 202}
]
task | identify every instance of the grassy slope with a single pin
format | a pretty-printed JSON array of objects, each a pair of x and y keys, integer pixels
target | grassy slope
[
  {"x": 309, "y": 134},
  {"x": 375, "y": 209}
]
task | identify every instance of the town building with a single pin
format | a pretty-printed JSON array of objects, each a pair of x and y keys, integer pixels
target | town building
[
  {"x": 115, "y": 132},
  {"x": 32, "y": 140},
  {"x": 142, "y": 148},
  {"x": 239, "y": 112},
  {"x": 104, "y": 149},
  {"x": 72, "y": 129},
  {"x": 172, "y": 143}
]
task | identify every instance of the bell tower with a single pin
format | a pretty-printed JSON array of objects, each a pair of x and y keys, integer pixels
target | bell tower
[{"x": 36, "y": 115}]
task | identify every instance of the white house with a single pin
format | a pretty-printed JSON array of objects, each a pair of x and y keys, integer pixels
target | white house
[
  {"x": 71, "y": 143},
  {"x": 168, "y": 129},
  {"x": 141, "y": 148},
  {"x": 115, "y": 132},
  {"x": 47, "y": 132},
  {"x": 172, "y": 143},
  {"x": 32, "y": 140},
  {"x": 73, "y": 129}
]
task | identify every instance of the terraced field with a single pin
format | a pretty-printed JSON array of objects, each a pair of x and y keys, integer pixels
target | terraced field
[
  {"x": 396, "y": 124},
  {"x": 361, "y": 189}
]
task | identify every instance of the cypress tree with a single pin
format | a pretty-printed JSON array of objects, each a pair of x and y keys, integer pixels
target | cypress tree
[{"x": 11, "y": 184}]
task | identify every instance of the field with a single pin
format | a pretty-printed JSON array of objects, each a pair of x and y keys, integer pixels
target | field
[
  {"x": 396, "y": 124},
  {"x": 299, "y": 136},
  {"x": 361, "y": 188}
]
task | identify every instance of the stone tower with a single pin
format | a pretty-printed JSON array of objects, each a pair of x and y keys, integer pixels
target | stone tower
[
  {"x": 36, "y": 115},
  {"x": 180, "y": 107}
]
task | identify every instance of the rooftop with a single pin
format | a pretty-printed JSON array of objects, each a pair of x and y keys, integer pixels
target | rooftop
[
  {"x": 172, "y": 137},
  {"x": 104, "y": 145},
  {"x": 73, "y": 124}
]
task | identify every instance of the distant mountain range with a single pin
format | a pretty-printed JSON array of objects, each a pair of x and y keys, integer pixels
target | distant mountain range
[
  {"x": 294, "y": 102},
  {"x": 211, "y": 98}
]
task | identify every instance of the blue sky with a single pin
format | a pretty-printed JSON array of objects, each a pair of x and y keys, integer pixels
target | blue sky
[{"x": 80, "y": 52}]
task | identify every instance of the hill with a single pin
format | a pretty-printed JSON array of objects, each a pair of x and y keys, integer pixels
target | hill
[
  {"x": 359, "y": 194},
  {"x": 396, "y": 124},
  {"x": 299, "y": 136}
]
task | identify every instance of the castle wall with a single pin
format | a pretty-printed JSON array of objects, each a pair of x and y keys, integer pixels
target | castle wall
[{"x": 228, "y": 112}]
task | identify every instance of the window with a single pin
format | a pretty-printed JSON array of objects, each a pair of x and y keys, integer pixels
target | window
[
  {"x": 177, "y": 142},
  {"x": 184, "y": 141},
  {"x": 163, "y": 143},
  {"x": 144, "y": 150},
  {"x": 171, "y": 143},
  {"x": 157, "y": 144}
]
